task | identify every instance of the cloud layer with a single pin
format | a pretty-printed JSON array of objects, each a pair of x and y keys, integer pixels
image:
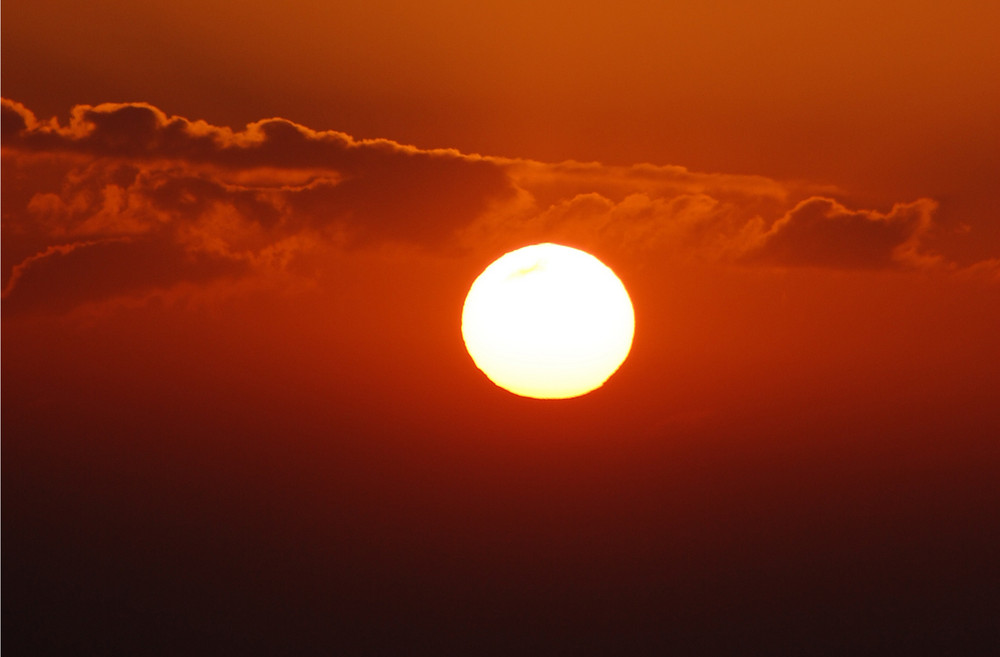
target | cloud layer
[{"x": 124, "y": 198}]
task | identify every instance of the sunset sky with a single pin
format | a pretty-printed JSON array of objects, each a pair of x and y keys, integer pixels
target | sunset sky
[{"x": 238, "y": 414}]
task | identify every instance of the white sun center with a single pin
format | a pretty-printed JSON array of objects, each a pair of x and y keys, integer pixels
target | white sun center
[{"x": 548, "y": 321}]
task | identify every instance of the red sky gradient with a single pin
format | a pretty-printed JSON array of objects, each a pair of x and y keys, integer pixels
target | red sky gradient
[{"x": 238, "y": 415}]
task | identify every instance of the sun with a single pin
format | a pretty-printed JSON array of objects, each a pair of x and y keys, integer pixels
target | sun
[{"x": 548, "y": 321}]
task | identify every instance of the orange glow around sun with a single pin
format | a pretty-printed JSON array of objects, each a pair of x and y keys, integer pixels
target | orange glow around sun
[{"x": 548, "y": 321}]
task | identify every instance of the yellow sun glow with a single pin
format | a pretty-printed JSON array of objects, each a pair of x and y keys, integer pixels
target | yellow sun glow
[{"x": 548, "y": 321}]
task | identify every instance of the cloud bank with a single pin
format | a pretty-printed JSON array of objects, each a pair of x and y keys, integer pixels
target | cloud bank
[{"x": 123, "y": 199}]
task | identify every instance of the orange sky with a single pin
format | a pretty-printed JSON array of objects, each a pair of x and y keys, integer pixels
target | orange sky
[{"x": 236, "y": 239}]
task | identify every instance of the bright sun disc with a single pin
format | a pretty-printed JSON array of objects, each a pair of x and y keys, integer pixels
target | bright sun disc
[{"x": 548, "y": 321}]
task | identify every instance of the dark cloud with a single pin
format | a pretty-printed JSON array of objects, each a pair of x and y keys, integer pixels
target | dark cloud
[
  {"x": 121, "y": 178},
  {"x": 819, "y": 232},
  {"x": 63, "y": 277},
  {"x": 14, "y": 118},
  {"x": 134, "y": 199},
  {"x": 377, "y": 186},
  {"x": 138, "y": 131}
]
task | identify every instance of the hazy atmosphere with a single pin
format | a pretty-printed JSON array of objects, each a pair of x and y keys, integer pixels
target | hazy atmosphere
[{"x": 238, "y": 413}]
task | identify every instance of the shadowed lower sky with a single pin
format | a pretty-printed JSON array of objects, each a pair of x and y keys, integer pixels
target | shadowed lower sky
[{"x": 238, "y": 413}]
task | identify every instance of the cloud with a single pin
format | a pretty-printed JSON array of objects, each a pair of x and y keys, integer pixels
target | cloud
[
  {"x": 122, "y": 178},
  {"x": 670, "y": 212},
  {"x": 820, "y": 232},
  {"x": 138, "y": 200},
  {"x": 375, "y": 188},
  {"x": 680, "y": 226},
  {"x": 65, "y": 276}
]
